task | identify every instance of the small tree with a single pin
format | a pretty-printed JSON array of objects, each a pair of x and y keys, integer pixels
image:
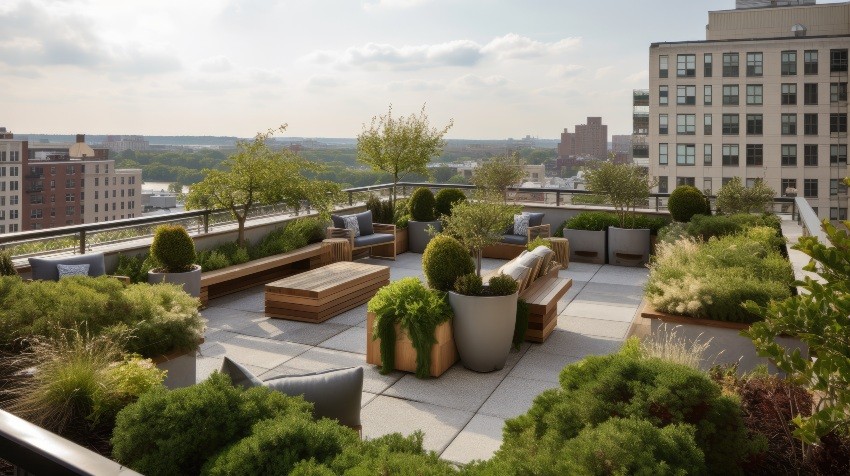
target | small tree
[
  {"x": 479, "y": 223},
  {"x": 399, "y": 146},
  {"x": 625, "y": 185},
  {"x": 258, "y": 175},
  {"x": 499, "y": 173},
  {"x": 734, "y": 197}
]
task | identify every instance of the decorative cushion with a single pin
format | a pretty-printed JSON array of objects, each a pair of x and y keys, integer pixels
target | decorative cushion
[
  {"x": 518, "y": 272},
  {"x": 530, "y": 261},
  {"x": 337, "y": 221},
  {"x": 45, "y": 268},
  {"x": 364, "y": 221},
  {"x": 334, "y": 393},
  {"x": 65, "y": 270},
  {"x": 373, "y": 239},
  {"x": 547, "y": 255},
  {"x": 521, "y": 224},
  {"x": 515, "y": 239},
  {"x": 534, "y": 219},
  {"x": 351, "y": 223}
]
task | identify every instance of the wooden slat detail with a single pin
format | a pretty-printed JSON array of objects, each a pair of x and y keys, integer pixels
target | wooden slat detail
[
  {"x": 321, "y": 314},
  {"x": 279, "y": 302},
  {"x": 327, "y": 280},
  {"x": 372, "y": 281},
  {"x": 262, "y": 264},
  {"x": 443, "y": 352}
]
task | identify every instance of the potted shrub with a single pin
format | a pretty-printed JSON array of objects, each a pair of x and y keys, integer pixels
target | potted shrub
[
  {"x": 586, "y": 233},
  {"x": 445, "y": 199},
  {"x": 485, "y": 320},
  {"x": 422, "y": 219},
  {"x": 445, "y": 259},
  {"x": 625, "y": 186},
  {"x": 174, "y": 252},
  {"x": 7, "y": 268},
  {"x": 687, "y": 201}
]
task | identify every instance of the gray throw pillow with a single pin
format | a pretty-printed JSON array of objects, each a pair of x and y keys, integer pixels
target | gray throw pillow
[
  {"x": 334, "y": 393},
  {"x": 65, "y": 270},
  {"x": 337, "y": 221},
  {"x": 534, "y": 219},
  {"x": 364, "y": 221},
  {"x": 351, "y": 223}
]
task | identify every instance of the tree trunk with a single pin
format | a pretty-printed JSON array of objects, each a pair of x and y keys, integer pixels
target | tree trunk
[
  {"x": 478, "y": 254},
  {"x": 240, "y": 220}
]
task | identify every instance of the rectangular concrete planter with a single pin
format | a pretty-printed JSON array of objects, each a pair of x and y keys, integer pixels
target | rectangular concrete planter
[
  {"x": 181, "y": 368},
  {"x": 628, "y": 247},
  {"x": 727, "y": 345},
  {"x": 401, "y": 240},
  {"x": 443, "y": 353},
  {"x": 586, "y": 246}
]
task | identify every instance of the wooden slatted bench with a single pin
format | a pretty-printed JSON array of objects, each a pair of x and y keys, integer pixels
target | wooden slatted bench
[
  {"x": 319, "y": 294},
  {"x": 542, "y": 297},
  {"x": 264, "y": 270}
]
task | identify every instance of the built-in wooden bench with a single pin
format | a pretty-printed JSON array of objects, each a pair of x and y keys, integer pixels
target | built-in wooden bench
[{"x": 261, "y": 271}]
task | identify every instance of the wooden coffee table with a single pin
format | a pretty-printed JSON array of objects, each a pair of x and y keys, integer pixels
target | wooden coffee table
[{"x": 319, "y": 294}]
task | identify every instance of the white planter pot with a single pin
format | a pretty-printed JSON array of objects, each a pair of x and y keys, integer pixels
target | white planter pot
[
  {"x": 190, "y": 280},
  {"x": 418, "y": 236},
  {"x": 182, "y": 369},
  {"x": 483, "y": 329},
  {"x": 628, "y": 247},
  {"x": 586, "y": 246}
]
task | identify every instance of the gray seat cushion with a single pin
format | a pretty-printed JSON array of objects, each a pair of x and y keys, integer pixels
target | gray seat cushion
[
  {"x": 515, "y": 239},
  {"x": 334, "y": 393},
  {"x": 535, "y": 219},
  {"x": 373, "y": 239},
  {"x": 45, "y": 268},
  {"x": 364, "y": 221}
]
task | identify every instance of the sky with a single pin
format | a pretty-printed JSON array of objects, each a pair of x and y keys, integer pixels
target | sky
[{"x": 498, "y": 68}]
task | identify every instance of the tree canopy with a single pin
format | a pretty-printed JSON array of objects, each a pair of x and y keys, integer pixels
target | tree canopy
[{"x": 499, "y": 173}]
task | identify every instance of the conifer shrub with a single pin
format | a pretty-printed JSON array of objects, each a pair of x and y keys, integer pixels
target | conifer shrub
[
  {"x": 173, "y": 249},
  {"x": 445, "y": 260},
  {"x": 687, "y": 201},
  {"x": 421, "y": 205},
  {"x": 382, "y": 210},
  {"x": 391, "y": 454},
  {"x": 7, "y": 268},
  {"x": 135, "y": 267},
  {"x": 445, "y": 199},
  {"x": 469, "y": 285},
  {"x": 501, "y": 285}
]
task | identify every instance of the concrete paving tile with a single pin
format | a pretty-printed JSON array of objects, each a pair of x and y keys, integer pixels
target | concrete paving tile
[
  {"x": 207, "y": 365},
  {"x": 478, "y": 440},
  {"x": 457, "y": 388},
  {"x": 262, "y": 326},
  {"x": 352, "y": 339},
  {"x": 539, "y": 365},
  {"x": 366, "y": 397},
  {"x": 593, "y": 327},
  {"x": 228, "y": 319},
  {"x": 384, "y": 415},
  {"x": 352, "y": 317},
  {"x": 584, "y": 267},
  {"x": 621, "y": 275},
  {"x": 514, "y": 396},
  {"x": 608, "y": 312},
  {"x": 253, "y": 300},
  {"x": 216, "y": 335},
  {"x": 578, "y": 345},
  {"x": 621, "y": 300},
  {"x": 256, "y": 351},
  {"x": 318, "y": 359},
  {"x": 571, "y": 294},
  {"x": 399, "y": 273},
  {"x": 619, "y": 289},
  {"x": 310, "y": 334},
  {"x": 577, "y": 275}
]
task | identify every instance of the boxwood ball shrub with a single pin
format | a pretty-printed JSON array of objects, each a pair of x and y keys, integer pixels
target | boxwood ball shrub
[
  {"x": 687, "y": 201},
  {"x": 421, "y": 205},
  {"x": 469, "y": 285},
  {"x": 445, "y": 260},
  {"x": 501, "y": 285},
  {"x": 445, "y": 199},
  {"x": 173, "y": 249}
]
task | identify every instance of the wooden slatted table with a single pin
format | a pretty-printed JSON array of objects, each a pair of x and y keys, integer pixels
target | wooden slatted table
[{"x": 319, "y": 294}]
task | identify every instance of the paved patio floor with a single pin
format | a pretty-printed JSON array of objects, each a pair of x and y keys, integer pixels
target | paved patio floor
[{"x": 461, "y": 412}]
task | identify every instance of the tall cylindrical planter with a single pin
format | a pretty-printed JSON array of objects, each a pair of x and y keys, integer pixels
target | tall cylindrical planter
[
  {"x": 418, "y": 236},
  {"x": 190, "y": 280},
  {"x": 483, "y": 329},
  {"x": 586, "y": 246},
  {"x": 628, "y": 247}
]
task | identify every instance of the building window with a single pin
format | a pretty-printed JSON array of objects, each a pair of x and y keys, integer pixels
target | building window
[
  {"x": 836, "y": 186},
  {"x": 810, "y": 94},
  {"x": 663, "y": 94},
  {"x": 788, "y": 187},
  {"x": 706, "y": 154},
  {"x": 730, "y": 155},
  {"x": 686, "y": 124},
  {"x": 810, "y": 188},
  {"x": 730, "y": 65},
  {"x": 789, "y": 94},
  {"x": 838, "y": 61},
  {"x": 706, "y": 63},
  {"x": 810, "y": 124},
  {"x": 837, "y": 213},
  {"x": 838, "y": 154},
  {"x": 730, "y": 95},
  {"x": 755, "y": 155},
  {"x": 755, "y": 124},
  {"x": 662, "y": 154},
  {"x": 96, "y": 181},
  {"x": 754, "y": 64},
  {"x": 755, "y": 94},
  {"x": 686, "y": 66},
  {"x": 662, "y": 66},
  {"x": 662, "y": 184},
  {"x": 789, "y": 124},
  {"x": 810, "y": 155},
  {"x": 730, "y": 124},
  {"x": 706, "y": 124},
  {"x": 680, "y": 181},
  {"x": 789, "y": 63},
  {"x": 789, "y": 155},
  {"x": 686, "y": 95},
  {"x": 810, "y": 62},
  {"x": 706, "y": 94},
  {"x": 706, "y": 185},
  {"x": 685, "y": 154},
  {"x": 837, "y": 122},
  {"x": 837, "y": 92},
  {"x": 662, "y": 124}
]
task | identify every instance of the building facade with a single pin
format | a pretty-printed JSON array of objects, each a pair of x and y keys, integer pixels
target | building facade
[
  {"x": 588, "y": 140},
  {"x": 122, "y": 143},
  {"x": 11, "y": 153},
  {"x": 764, "y": 97}
]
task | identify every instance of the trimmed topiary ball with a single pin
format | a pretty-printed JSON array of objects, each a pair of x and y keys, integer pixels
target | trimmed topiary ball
[
  {"x": 445, "y": 260},
  {"x": 687, "y": 201},
  {"x": 469, "y": 285},
  {"x": 7, "y": 268},
  {"x": 445, "y": 198},
  {"x": 173, "y": 249},
  {"x": 502, "y": 285},
  {"x": 421, "y": 205}
]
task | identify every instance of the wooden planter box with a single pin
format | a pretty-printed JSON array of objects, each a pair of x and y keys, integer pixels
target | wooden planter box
[
  {"x": 727, "y": 345},
  {"x": 443, "y": 353},
  {"x": 401, "y": 240}
]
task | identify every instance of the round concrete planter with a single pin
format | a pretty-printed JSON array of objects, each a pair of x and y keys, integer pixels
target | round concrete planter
[
  {"x": 628, "y": 247},
  {"x": 483, "y": 329},
  {"x": 190, "y": 280},
  {"x": 418, "y": 236}
]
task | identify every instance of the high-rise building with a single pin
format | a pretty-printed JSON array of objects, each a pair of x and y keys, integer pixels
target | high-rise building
[
  {"x": 588, "y": 140},
  {"x": 11, "y": 152},
  {"x": 769, "y": 85}
]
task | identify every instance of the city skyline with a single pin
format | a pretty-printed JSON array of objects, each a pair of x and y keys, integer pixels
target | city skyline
[{"x": 235, "y": 67}]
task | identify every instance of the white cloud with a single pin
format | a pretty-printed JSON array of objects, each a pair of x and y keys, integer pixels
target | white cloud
[
  {"x": 562, "y": 71},
  {"x": 513, "y": 46},
  {"x": 472, "y": 81},
  {"x": 322, "y": 82},
  {"x": 415, "y": 85},
  {"x": 392, "y": 4},
  {"x": 641, "y": 77},
  {"x": 604, "y": 72},
  {"x": 216, "y": 64}
]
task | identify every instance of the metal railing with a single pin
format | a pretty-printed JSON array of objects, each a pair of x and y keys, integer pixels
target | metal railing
[{"x": 808, "y": 219}]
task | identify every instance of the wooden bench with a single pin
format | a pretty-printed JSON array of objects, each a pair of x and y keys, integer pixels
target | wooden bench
[
  {"x": 387, "y": 249},
  {"x": 264, "y": 270},
  {"x": 505, "y": 250}
]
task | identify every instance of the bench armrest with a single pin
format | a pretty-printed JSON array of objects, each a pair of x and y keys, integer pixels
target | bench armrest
[
  {"x": 542, "y": 231},
  {"x": 341, "y": 233}
]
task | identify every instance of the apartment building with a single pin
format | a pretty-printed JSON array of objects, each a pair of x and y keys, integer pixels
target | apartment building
[
  {"x": 764, "y": 97},
  {"x": 588, "y": 140},
  {"x": 11, "y": 152}
]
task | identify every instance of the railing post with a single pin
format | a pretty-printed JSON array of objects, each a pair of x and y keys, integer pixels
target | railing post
[
  {"x": 350, "y": 198},
  {"x": 206, "y": 221},
  {"x": 657, "y": 201},
  {"x": 82, "y": 242},
  {"x": 558, "y": 198}
]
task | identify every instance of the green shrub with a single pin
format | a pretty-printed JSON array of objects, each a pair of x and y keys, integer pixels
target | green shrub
[
  {"x": 176, "y": 432},
  {"x": 173, "y": 249},
  {"x": 446, "y": 198},
  {"x": 211, "y": 260},
  {"x": 469, "y": 285},
  {"x": 417, "y": 310},
  {"x": 391, "y": 454},
  {"x": 7, "y": 268},
  {"x": 161, "y": 318},
  {"x": 501, "y": 285},
  {"x": 706, "y": 227},
  {"x": 539, "y": 241},
  {"x": 421, "y": 205},
  {"x": 653, "y": 223},
  {"x": 311, "y": 229},
  {"x": 402, "y": 222},
  {"x": 135, "y": 267},
  {"x": 382, "y": 210},
  {"x": 673, "y": 232},
  {"x": 240, "y": 256},
  {"x": 523, "y": 311},
  {"x": 734, "y": 197},
  {"x": 592, "y": 221},
  {"x": 445, "y": 260},
  {"x": 687, "y": 201}
]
